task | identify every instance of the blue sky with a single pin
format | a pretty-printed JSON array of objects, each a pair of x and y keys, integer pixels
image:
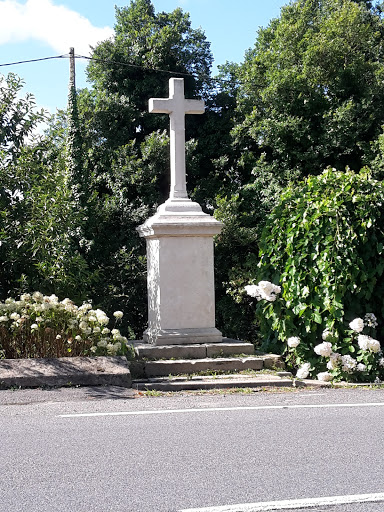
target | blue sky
[{"x": 31, "y": 29}]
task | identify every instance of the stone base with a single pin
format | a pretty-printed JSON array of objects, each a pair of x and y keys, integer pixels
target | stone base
[{"x": 182, "y": 336}]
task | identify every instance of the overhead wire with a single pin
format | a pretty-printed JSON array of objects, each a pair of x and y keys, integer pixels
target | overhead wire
[
  {"x": 34, "y": 60},
  {"x": 127, "y": 64}
]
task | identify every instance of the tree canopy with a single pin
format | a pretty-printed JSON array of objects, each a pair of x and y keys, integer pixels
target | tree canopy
[{"x": 309, "y": 94}]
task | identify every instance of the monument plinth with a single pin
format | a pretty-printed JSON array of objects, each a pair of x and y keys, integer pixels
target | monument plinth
[{"x": 179, "y": 237}]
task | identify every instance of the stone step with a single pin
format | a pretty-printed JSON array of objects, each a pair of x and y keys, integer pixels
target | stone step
[
  {"x": 208, "y": 364},
  {"x": 228, "y": 347},
  {"x": 278, "y": 379}
]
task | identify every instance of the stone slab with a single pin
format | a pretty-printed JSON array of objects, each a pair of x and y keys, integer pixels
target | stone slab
[
  {"x": 229, "y": 348},
  {"x": 272, "y": 361},
  {"x": 171, "y": 367},
  {"x": 196, "y": 351},
  {"x": 205, "y": 383},
  {"x": 65, "y": 371},
  {"x": 170, "y": 351},
  {"x": 182, "y": 336}
]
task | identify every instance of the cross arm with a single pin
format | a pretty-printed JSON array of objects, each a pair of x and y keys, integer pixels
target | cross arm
[
  {"x": 194, "y": 106},
  {"x": 160, "y": 106}
]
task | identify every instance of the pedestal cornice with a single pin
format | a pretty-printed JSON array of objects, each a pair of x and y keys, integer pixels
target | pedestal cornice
[{"x": 180, "y": 217}]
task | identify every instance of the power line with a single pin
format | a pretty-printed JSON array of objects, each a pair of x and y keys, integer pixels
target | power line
[
  {"x": 127, "y": 64},
  {"x": 34, "y": 60},
  {"x": 137, "y": 66}
]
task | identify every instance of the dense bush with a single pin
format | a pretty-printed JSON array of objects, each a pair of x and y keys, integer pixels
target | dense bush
[
  {"x": 324, "y": 245},
  {"x": 42, "y": 326}
]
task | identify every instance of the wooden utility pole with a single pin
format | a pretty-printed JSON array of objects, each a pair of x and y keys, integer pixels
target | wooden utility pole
[{"x": 72, "y": 70}]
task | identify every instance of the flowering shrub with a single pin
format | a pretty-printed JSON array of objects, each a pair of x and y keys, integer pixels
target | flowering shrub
[
  {"x": 334, "y": 361},
  {"x": 42, "y": 326},
  {"x": 323, "y": 246}
]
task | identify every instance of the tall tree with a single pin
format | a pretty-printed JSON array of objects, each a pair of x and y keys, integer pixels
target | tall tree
[
  {"x": 310, "y": 95},
  {"x": 126, "y": 149},
  {"x": 39, "y": 221}
]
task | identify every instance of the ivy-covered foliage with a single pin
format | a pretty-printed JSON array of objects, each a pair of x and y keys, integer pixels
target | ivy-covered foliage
[{"x": 324, "y": 245}]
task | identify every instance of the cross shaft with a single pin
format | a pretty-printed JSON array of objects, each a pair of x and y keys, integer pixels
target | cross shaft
[{"x": 177, "y": 106}]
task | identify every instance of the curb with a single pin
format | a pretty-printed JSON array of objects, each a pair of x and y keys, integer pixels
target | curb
[{"x": 65, "y": 371}]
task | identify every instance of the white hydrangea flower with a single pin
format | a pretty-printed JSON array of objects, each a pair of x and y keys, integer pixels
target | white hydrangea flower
[
  {"x": 324, "y": 349},
  {"x": 374, "y": 346},
  {"x": 253, "y": 291},
  {"x": 303, "y": 371},
  {"x": 85, "y": 307},
  {"x": 25, "y": 297},
  {"x": 37, "y": 296},
  {"x": 117, "y": 346},
  {"x": 39, "y": 319},
  {"x": 367, "y": 343},
  {"x": 96, "y": 330},
  {"x": 263, "y": 290},
  {"x": 370, "y": 320},
  {"x": 34, "y": 327},
  {"x": 83, "y": 325},
  {"x": 102, "y": 343},
  {"x": 93, "y": 349},
  {"x": 118, "y": 315},
  {"x": 105, "y": 331},
  {"x": 348, "y": 363},
  {"x": 115, "y": 332},
  {"x": 361, "y": 367},
  {"x": 381, "y": 362},
  {"x": 324, "y": 376},
  {"x": 101, "y": 317},
  {"x": 3, "y": 318},
  {"x": 78, "y": 338},
  {"x": 357, "y": 325},
  {"x": 363, "y": 341},
  {"x": 14, "y": 316},
  {"x": 92, "y": 319},
  {"x": 293, "y": 341}
]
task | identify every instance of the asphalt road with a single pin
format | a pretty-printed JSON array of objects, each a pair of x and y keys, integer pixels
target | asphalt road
[{"x": 101, "y": 450}]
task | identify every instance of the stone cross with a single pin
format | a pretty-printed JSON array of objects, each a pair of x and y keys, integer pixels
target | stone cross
[{"x": 177, "y": 106}]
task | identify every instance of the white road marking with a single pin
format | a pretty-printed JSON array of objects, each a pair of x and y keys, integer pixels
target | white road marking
[
  {"x": 219, "y": 409},
  {"x": 292, "y": 504}
]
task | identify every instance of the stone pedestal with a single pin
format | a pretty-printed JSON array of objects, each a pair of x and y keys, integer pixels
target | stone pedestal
[{"x": 181, "y": 295}]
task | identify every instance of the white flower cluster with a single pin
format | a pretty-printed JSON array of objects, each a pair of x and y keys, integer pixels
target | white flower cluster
[
  {"x": 293, "y": 342},
  {"x": 367, "y": 343},
  {"x": 357, "y": 325},
  {"x": 370, "y": 320},
  {"x": 348, "y": 363},
  {"x": 38, "y": 312},
  {"x": 303, "y": 371},
  {"x": 324, "y": 376},
  {"x": 324, "y": 349},
  {"x": 263, "y": 290}
]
